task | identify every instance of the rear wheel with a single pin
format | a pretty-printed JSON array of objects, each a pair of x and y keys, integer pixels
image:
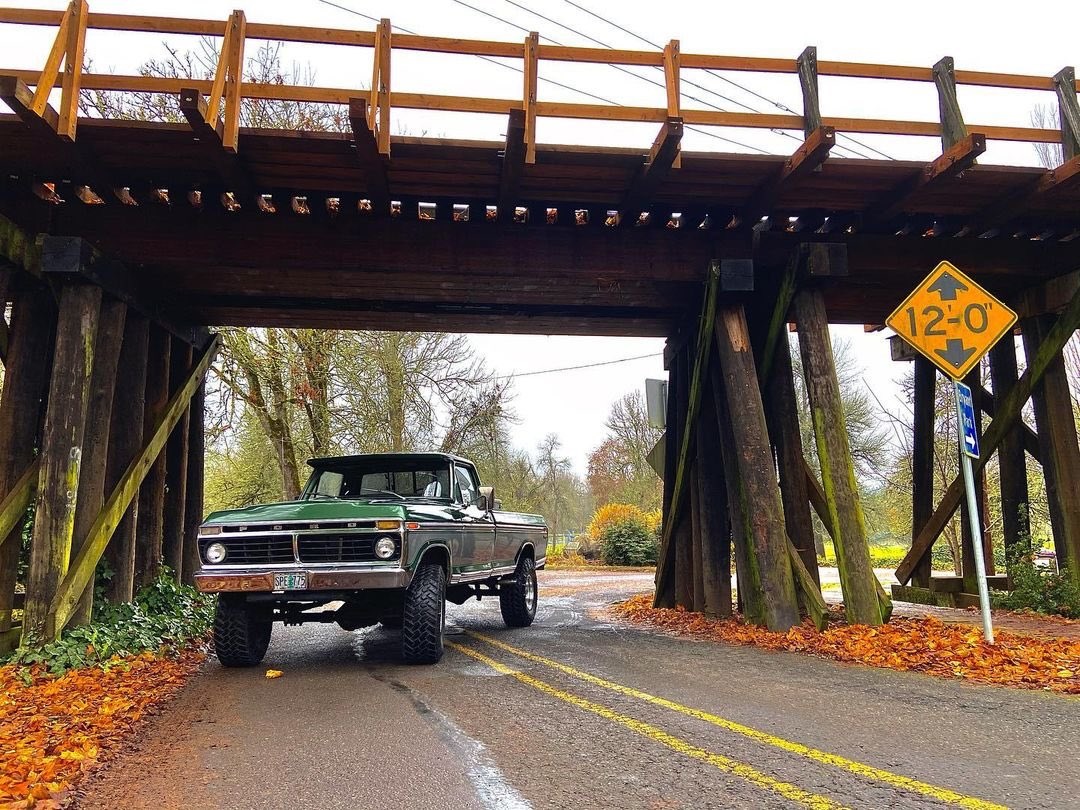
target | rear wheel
[
  {"x": 517, "y": 595},
  {"x": 240, "y": 637},
  {"x": 424, "y": 616}
]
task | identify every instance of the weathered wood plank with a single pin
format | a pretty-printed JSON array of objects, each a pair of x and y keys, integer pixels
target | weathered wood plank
[
  {"x": 513, "y": 166},
  {"x": 371, "y": 160},
  {"x": 924, "y": 409},
  {"x": 1068, "y": 112},
  {"x": 193, "y": 506},
  {"x": 61, "y": 455},
  {"x": 834, "y": 453},
  {"x": 82, "y": 568},
  {"x": 1012, "y": 463},
  {"x": 657, "y": 167},
  {"x": 95, "y": 450},
  {"x": 1039, "y": 359},
  {"x": 126, "y": 440},
  {"x": 33, "y": 321},
  {"x": 712, "y": 505},
  {"x": 149, "y": 534},
  {"x": 176, "y": 474},
  {"x": 808, "y": 82},
  {"x": 682, "y": 535},
  {"x": 765, "y": 511},
  {"x": 17, "y": 500},
  {"x": 953, "y": 129}
]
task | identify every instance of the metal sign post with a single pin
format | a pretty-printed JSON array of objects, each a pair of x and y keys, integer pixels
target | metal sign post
[
  {"x": 969, "y": 449},
  {"x": 954, "y": 322}
]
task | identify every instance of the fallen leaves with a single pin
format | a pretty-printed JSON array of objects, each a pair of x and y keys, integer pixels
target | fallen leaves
[
  {"x": 55, "y": 729},
  {"x": 925, "y": 645},
  {"x": 271, "y": 674}
]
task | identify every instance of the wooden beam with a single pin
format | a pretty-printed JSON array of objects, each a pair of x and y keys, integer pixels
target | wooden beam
[
  {"x": 61, "y": 454},
  {"x": 513, "y": 166},
  {"x": 1008, "y": 412},
  {"x": 371, "y": 160},
  {"x": 176, "y": 474},
  {"x": 808, "y": 81},
  {"x": 95, "y": 449},
  {"x": 193, "y": 506},
  {"x": 857, "y": 577},
  {"x": 714, "y": 517},
  {"x": 1068, "y": 112},
  {"x": 234, "y": 64},
  {"x": 17, "y": 500},
  {"x": 673, "y": 89},
  {"x": 922, "y": 458},
  {"x": 1029, "y": 439},
  {"x": 47, "y": 80},
  {"x": 75, "y": 257},
  {"x": 1012, "y": 464},
  {"x": 150, "y": 531},
  {"x": 227, "y": 163},
  {"x": 953, "y": 129},
  {"x": 380, "y": 86},
  {"x": 126, "y": 441},
  {"x": 664, "y": 594},
  {"x": 82, "y": 568},
  {"x": 1017, "y": 204},
  {"x": 70, "y": 83},
  {"x": 531, "y": 79},
  {"x": 808, "y": 157},
  {"x": 681, "y": 515},
  {"x": 952, "y": 162},
  {"x": 651, "y": 175},
  {"x": 763, "y": 505}
]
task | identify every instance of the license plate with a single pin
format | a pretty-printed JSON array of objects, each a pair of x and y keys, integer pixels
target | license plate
[{"x": 290, "y": 582}]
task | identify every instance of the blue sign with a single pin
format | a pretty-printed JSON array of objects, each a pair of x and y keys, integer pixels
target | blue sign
[{"x": 965, "y": 408}]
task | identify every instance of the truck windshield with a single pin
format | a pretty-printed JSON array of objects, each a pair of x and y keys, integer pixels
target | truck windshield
[{"x": 381, "y": 479}]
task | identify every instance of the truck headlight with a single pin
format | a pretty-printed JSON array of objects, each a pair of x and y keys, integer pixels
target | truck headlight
[
  {"x": 385, "y": 548},
  {"x": 215, "y": 553}
]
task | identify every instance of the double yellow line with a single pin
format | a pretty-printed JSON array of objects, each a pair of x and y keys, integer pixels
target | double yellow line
[{"x": 725, "y": 764}]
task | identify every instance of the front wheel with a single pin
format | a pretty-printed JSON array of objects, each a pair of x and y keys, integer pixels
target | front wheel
[
  {"x": 240, "y": 637},
  {"x": 424, "y": 616},
  {"x": 517, "y": 595}
]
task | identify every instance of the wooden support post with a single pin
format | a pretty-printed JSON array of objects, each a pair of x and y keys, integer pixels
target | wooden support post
[
  {"x": 371, "y": 160},
  {"x": 697, "y": 537},
  {"x": 808, "y": 81},
  {"x": 1056, "y": 425},
  {"x": 380, "y": 85},
  {"x": 1012, "y": 462},
  {"x": 682, "y": 530},
  {"x": 673, "y": 90},
  {"x": 953, "y": 129},
  {"x": 1068, "y": 112},
  {"x": 92, "y": 478},
  {"x": 712, "y": 506},
  {"x": 233, "y": 56},
  {"x": 665, "y": 564},
  {"x": 26, "y": 377},
  {"x": 834, "y": 453},
  {"x": 150, "y": 531},
  {"x": 61, "y": 454},
  {"x": 531, "y": 80},
  {"x": 922, "y": 460},
  {"x": 193, "y": 506},
  {"x": 513, "y": 166},
  {"x": 763, "y": 509},
  {"x": 125, "y": 440},
  {"x": 1040, "y": 359},
  {"x": 176, "y": 460},
  {"x": 82, "y": 567},
  {"x": 71, "y": 81}
]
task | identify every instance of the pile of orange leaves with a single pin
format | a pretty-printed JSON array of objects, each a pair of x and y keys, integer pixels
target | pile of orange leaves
[
  {"x": 53, "y": 730},
  {"x": 925, "y": 645}
]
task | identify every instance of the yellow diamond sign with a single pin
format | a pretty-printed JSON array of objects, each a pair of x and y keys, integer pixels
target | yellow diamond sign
[{"x": 951, "y": 320}]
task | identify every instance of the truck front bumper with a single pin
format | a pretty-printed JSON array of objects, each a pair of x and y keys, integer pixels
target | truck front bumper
[{"x": 338, "y": 578}]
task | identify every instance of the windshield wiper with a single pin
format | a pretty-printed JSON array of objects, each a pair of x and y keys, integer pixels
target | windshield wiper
[{"x": 383, "y": 492}]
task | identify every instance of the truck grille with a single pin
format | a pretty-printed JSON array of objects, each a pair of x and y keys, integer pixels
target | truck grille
[
  {"x": 325, "y": 548},
  {"x": 252, "y": 550}
]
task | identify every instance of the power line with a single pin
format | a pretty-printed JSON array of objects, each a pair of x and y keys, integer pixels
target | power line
[
  {"x": 616, "y": 67},
  {"x": 721, "y": 77},
  {"x": 578, "y": 368}
]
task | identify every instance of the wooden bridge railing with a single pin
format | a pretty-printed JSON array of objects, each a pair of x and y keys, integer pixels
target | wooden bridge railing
[{"x": 74, "y": 22}]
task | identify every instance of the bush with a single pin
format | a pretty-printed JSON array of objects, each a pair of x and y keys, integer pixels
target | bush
[
  {"x": 1042, "y": 590},
  {"x": 610, "y": 514},
  {"x": 164, "y": 614},
  {"x": 628, "y": 542}
]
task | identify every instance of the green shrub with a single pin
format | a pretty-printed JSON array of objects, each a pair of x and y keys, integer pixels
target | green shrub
[
  {"x": 628, "y": 542},
  {"x": 1042, "y": 590},
  {"x": 164, "y": 614}
]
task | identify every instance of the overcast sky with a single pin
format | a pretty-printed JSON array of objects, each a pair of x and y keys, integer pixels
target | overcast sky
[{"x": 1033, "y": 38}]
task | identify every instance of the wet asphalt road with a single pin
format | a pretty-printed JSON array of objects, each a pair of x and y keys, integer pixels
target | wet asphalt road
[{"x": 578, "y": 712}]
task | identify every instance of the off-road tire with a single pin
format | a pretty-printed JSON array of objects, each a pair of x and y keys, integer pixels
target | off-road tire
[
  {"x": 518, "y": 595},
  {"x": 240, "y": 638},
  {"x": 424, "y": 616}
]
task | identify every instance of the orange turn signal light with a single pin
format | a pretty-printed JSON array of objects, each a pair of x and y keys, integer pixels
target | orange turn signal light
[{"x": 387, "y": 524}]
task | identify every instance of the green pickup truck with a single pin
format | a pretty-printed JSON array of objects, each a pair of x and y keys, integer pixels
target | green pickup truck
[{"x": 386, "y": 537}]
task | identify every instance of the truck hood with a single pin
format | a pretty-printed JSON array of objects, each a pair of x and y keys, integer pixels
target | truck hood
[{"x": 309, "y": 510}]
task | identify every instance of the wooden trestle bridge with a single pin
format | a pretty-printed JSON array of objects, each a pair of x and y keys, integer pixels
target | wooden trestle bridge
[{"x": 122, "y": 241}]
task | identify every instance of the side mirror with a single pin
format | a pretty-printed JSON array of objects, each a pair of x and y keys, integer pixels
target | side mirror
[{"x": 486, "y": 501}]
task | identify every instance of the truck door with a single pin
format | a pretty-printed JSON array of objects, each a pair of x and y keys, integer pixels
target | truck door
[{"x": 478, "y": 525}]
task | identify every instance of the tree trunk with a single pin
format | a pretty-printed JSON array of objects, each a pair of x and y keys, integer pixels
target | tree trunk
[
  {"x": 92, "y": 478},
  {"x": 26, "y": 378},
  {"x": 61, "y": 455},
  {"x": 125, "y": 441},
  {"x": 837, "y": 468}
]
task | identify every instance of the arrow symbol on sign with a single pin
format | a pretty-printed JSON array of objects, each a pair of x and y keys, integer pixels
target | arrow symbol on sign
[
  {"x": 970, "y": 441},
  {"x": 955, "y": 352},
  {"x": 947, "y": 286}
]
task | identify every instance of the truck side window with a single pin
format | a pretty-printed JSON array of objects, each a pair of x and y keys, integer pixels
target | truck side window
[{"x": 465, "y": 485}]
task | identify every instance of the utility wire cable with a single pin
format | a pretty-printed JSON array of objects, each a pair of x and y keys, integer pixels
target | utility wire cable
[
  {"x": 578, "y": 368},
  {"x": 777, "y": 104}
]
